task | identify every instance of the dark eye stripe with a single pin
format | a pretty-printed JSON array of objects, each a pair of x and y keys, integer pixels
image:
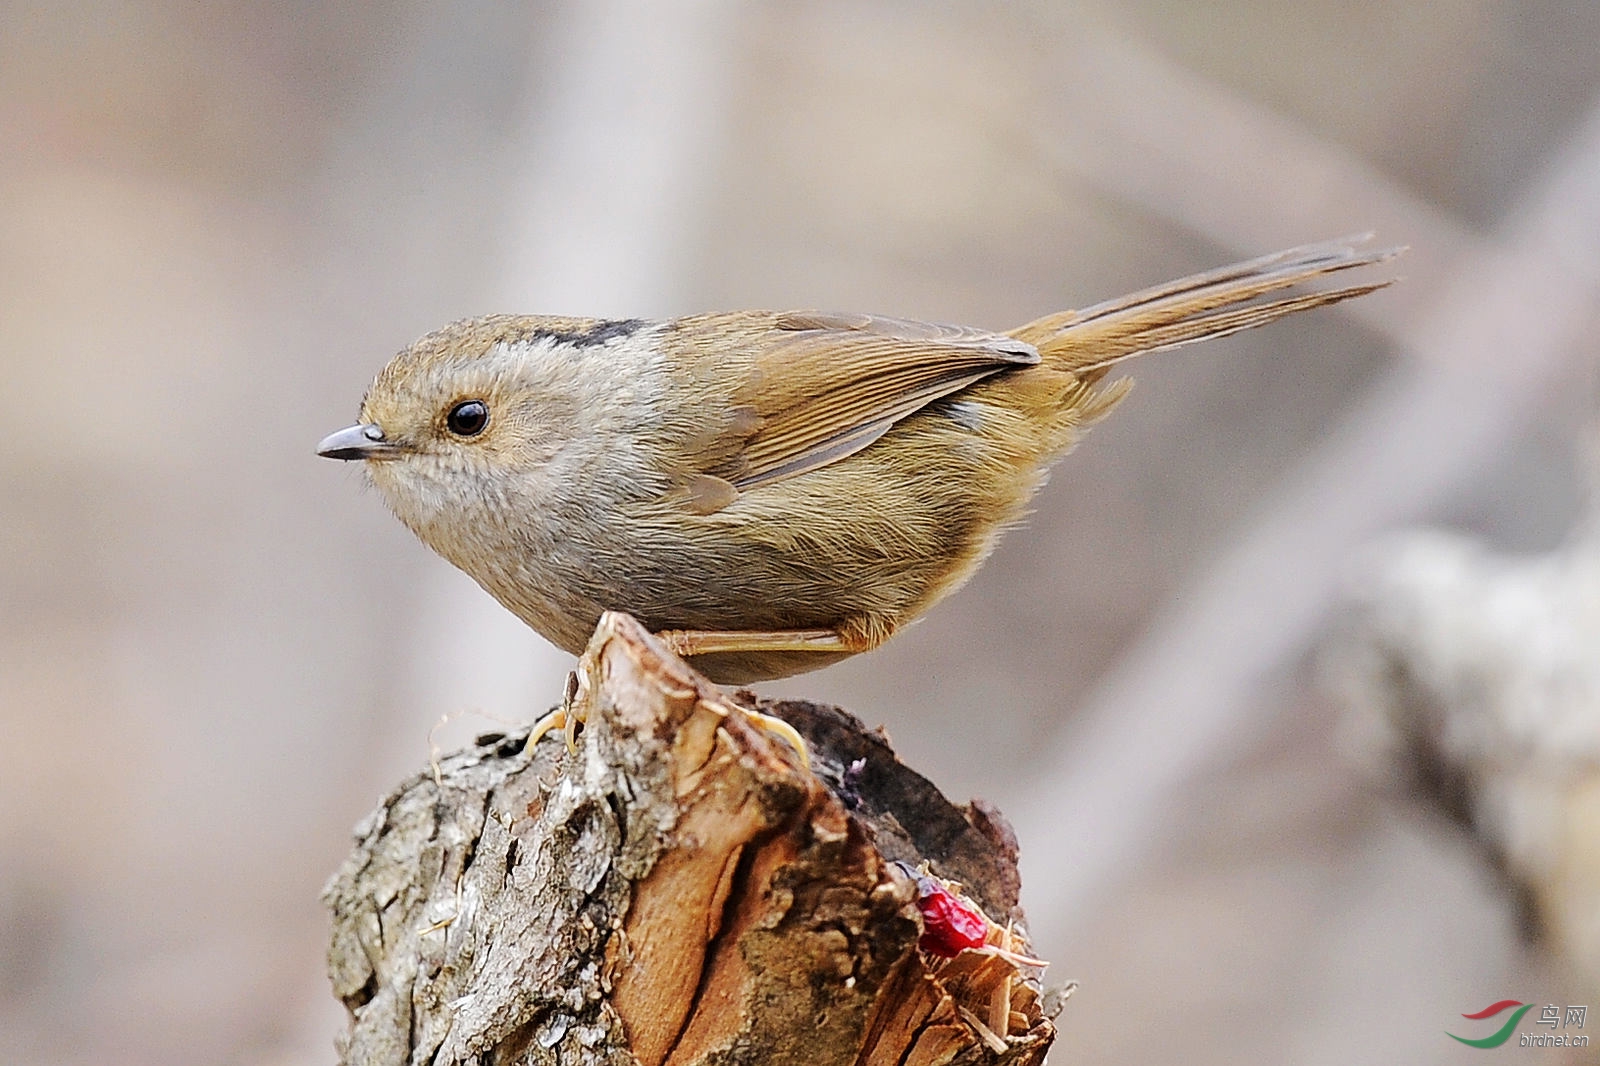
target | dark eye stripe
[{"x": 468, "y": 418}]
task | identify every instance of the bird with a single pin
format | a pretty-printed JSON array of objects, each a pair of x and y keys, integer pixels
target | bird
[{"x": 767, "y": 491}]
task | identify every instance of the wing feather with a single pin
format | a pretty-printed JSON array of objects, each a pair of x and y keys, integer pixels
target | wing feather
[{"x": 823, "y": 386}]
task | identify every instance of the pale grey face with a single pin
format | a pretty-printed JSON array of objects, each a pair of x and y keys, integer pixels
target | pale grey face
[
  {"x": 487, "y": 439},
  {"x": 453, "y": 436}
]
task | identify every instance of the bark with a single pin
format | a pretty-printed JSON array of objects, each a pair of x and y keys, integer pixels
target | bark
[{"x": 681, "y": 889}]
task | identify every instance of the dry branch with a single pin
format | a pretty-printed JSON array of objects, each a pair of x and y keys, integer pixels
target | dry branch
[
  {"x": 1474, "y": 678},
  {"x": 679, "y": 890}
]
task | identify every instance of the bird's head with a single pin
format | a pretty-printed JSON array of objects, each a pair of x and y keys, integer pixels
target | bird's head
[{"x": 456, "y": 429}]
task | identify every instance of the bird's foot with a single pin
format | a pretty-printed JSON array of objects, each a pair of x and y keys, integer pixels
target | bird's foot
[{"x": 566, "y": 717}]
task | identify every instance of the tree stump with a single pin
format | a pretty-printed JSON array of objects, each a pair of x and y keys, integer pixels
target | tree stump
[{"x": 681, "y": 889}]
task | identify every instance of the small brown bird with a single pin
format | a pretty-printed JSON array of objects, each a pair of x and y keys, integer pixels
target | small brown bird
[{"x": 771, "y": 491}]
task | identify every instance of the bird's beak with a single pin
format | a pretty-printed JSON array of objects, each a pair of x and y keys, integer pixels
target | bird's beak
[{"x": 364, "y": 441}]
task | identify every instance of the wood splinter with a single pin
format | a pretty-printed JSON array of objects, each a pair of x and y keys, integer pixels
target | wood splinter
[{"x": 679, "y": 890}]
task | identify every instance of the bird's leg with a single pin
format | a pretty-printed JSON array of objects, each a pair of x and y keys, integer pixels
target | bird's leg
[
  {"x": 849, "y": 639},
  {"x": 570, "y": 715},
  {"x": 686, "y": 642}
]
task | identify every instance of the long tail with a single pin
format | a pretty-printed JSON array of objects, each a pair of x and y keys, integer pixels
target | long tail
[{"x": 1199, "y": 307}]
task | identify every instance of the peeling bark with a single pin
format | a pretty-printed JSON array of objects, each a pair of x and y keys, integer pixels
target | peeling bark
[{"x": 680, "y": 890}]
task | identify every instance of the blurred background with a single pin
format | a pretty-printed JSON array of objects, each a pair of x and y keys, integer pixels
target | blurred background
[{"x": 217, "y": 651}]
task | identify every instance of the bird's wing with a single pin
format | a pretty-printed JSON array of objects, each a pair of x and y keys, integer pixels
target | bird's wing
[{"x": 824, "y": 386}]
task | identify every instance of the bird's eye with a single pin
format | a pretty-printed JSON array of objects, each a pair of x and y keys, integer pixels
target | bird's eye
[{"x": 467, "y": 418}]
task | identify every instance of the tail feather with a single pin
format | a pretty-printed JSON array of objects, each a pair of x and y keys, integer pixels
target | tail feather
[{"x": 1210, "y": 304}]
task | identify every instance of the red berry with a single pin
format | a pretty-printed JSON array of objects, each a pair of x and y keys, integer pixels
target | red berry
[{"x": 950, "y": 925}]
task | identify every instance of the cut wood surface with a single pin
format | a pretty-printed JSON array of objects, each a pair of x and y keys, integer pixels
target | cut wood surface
[{"x": 681, "y": 889}]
